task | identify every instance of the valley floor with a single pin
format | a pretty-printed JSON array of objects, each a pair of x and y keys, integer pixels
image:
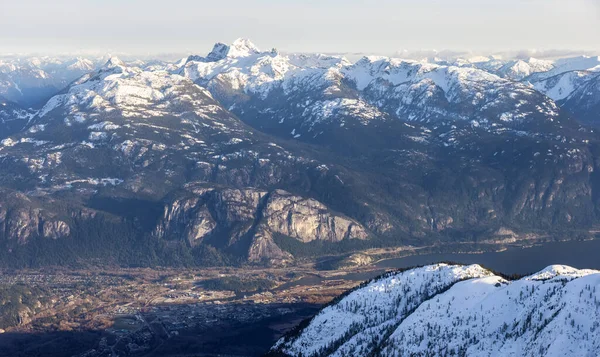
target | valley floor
[
  {"x": 170, "y": 312},
  {"x": 218, "y": 311}
]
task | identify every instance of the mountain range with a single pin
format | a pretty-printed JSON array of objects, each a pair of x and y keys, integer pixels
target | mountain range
[{"x": 250, "y": 156}]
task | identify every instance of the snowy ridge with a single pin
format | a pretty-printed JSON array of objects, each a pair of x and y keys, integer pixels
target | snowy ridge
[
  {"x": 30, "y": 80},
  {"x": 429, "y": 92},
  {"x": 520, "y": 69},
  {"x": 560, "y": 271},
  {"x": 561, "y": 86},
  {"x": 130, "y": 90},
  {"x": 244, "y": 67},
  {"x": 376, "y": 308},
  {"x": 396, "y": 72},
  {"x": 459, "y": 310},
  {"x": 526, "y": 69},
  {"x": 310, "y": 94},
  {"x": 581, "y": 63},
  {"x": 578, "y": 92}
]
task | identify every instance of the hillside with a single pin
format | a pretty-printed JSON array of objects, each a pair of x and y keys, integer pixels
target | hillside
[{"x": 449, "y": 310}]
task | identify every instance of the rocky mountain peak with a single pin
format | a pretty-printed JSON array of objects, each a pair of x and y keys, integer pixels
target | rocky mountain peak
[
  {"x": 242, "y": 47},
  {"x": 239, "y": 48},
  {"x": 82, "y": 64},
  {"x": 219, "y": 52},
  {"x": 113, "y": 62}
]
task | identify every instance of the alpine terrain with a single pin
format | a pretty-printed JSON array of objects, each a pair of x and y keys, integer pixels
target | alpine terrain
[{"x": 245, "y": 156}]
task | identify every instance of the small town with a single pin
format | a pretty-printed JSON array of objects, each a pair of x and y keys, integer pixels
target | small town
[{"x": 133, "y": 311}]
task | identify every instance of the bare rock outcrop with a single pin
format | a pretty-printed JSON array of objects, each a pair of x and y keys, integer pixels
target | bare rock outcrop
[
  {"x": 264, "y": 249},
  {"x": 307, "y": 220},
  {"x": 249, "y": 218},
  {"x": 21, "y": 219}
]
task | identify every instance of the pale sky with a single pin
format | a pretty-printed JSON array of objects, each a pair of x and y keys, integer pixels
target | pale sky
[{"x": 376, "y": 26}]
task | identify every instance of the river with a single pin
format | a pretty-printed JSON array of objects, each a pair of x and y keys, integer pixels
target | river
[{"x": 578, "y": 254}]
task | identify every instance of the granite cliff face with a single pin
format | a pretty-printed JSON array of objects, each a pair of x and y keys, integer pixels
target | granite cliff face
[
  {"x": 247, "y": 219},
  {"x": 21, "y": 220}
]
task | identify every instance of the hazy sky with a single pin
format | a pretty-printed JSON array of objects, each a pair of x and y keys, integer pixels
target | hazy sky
[{"x": 376, "y": 26}]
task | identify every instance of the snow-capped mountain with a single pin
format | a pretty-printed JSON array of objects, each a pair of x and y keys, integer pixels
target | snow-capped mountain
[
  {"x": 532, "y": 69},
  {"x": 581, "y": 63},
  {"x": 576, "y": 91},
  {"x": 314, "y": 97},
  {"x": 426, "y": 92},
  {"x": 520, "y": 69},
  {"x": 129, "y": 91},
  {"x": 512, "y": 69},
  {"x": 198, "y": 158},
  {"x": 458, "y": 310},
  {"x": 561, "y": 86},
  {"x": 584, "y": 101},
  {"x": 151, "y": 133}
]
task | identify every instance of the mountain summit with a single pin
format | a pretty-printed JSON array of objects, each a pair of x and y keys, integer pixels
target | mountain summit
[
  {"x": 242, "y": 47},
  {"x": 239, "y": 48},
  {"x": 113, "y": 62}
]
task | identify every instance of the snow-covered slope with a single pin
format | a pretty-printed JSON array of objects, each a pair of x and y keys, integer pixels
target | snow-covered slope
[
  {"x": 128, "y": 114},
  {"x": 242, "y": 66},
  {"x": 487, "y": 63},
  {"x": 131, "y": 91},
  {"x": 29, "y": 81},
  {"x": 443, "y": 310},
  {"x": 315, "y": 97},
  {"x": 561, "y": 86},
  {"x": 514, "y": 69},
  {"x": 581, "y": 63},
  {"x": 584, "y": 100},
  {"x": 427, "y": 92},
  {"x": 12, "y": 117},
  {"x": 578, "y": 92},
  {"x": 567, "y": 65},
  {"x": 520, "y": 69}
]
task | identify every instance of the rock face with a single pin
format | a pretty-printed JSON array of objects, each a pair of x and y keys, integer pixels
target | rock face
[
  {"x": 308, "y": 220},
  {"x": 196, "y": 218},
  {"x": 55, "y": 229},
  {"x": 238, "y": 217},
  {"x": 21, "y": 220},
  {"x": 263, "y": 249},
  {"x": 458, "y": 310}
]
